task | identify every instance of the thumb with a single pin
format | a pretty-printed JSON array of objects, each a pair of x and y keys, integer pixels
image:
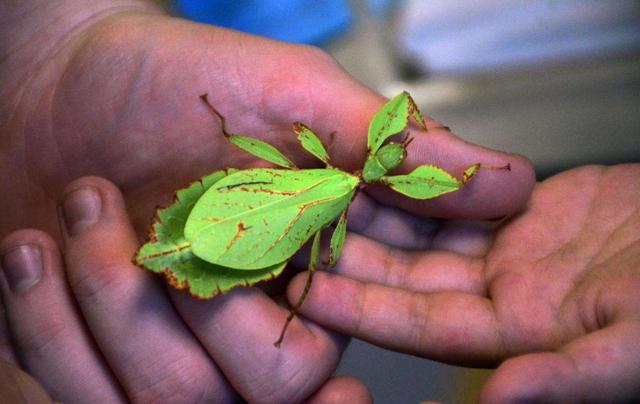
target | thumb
[
  {"x": 305, "y": 84},
  {"x": 599, "y": 367},
  {"x": 347, "y": 109},
  {"x": 19, "y": 387}
]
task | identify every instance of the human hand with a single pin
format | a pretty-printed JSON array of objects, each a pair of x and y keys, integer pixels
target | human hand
[
  {"x": 552, "y": 292},
  {"x": 95, "y": 328},
  {"x": 119, "y": 99}
]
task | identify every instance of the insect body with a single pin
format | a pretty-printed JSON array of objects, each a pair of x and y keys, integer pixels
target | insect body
[
  {"x": 262, "y": 216},
  {"x": 238, "y": 227}
]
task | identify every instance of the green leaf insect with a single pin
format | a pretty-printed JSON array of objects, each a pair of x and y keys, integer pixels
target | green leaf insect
[{"x": 240, "y": 227}]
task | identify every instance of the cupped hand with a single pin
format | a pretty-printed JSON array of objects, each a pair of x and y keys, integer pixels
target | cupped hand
[
  {"x": 119, "y": 98},
  {"x": 552, "y": 292}
]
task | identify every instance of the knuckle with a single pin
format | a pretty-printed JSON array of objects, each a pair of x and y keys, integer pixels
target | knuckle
[
  {"x": 424, "y": 230},
  {"x": 418, "y": 314},
  {"x": 42, "y": 336},
  {"x": 27, "y": 236},
  {"x": 93, "y": 283},
  {"x": 396, "y": 265},
  {"x": 360, "y": 303},
  {"x": 89, "y": 181},
  {"x": 362, "y": 214}
]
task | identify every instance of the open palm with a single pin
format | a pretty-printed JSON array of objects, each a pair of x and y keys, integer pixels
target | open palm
[{"x": 555, "y": 288}]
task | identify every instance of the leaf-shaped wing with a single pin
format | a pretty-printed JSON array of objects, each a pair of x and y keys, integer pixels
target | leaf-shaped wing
[
  {"x": 260, "y": 217},
  {"x": 425, "y": 182},
  {"x": 311, "y": 142},
  {"x": 168, "y": 252},
  {"x": 391, "y": 119}
]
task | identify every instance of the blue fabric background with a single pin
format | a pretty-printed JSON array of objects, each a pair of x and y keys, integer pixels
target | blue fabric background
[{"x": 300, "y": 21}]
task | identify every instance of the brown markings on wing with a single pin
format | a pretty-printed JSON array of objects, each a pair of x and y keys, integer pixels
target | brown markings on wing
[
  {"x": 239, "y": 232},
  {"x": 185, "y": 286},
  {"x": 289, "y": 193},
  {"x": 151, "y": 233},
  {"x": 384, "y": 127},
  {"x": 174, "y": 281},
  {"x": 211, "y": 219},
  {"x": 413, "y": 108},
  {"x": 268, "y": 191},
  {"x": 163, "y": 253},
  {"x": 241, "y": 184},
  {"x": 297, "y": 217}
]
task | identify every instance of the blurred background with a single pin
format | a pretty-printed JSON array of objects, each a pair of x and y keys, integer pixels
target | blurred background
[{"x": 555, "y": 80}]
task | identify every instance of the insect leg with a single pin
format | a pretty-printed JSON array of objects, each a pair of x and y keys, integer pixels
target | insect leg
[
  {"x": 311, "y": 142},
  {"x": 313, "y": 263},
  {"x": 472, "y": 170},
  {"x": 337, "y": 239},
  {"x": 256, "y": 147}
]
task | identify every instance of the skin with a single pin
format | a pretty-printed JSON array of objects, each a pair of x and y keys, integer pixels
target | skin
[
  {"x": 111, "y": 90},
  {"x": 550, "y": 296}
]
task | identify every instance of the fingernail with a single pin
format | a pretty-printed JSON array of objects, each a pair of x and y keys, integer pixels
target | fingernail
[
  {"x": 81, "y": 208},
  {"x": 22, "y": 267}
]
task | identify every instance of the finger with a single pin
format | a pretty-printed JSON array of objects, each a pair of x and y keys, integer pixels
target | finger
[
  {"x": 434, "y": 271},
  {"x": 398, "y": 228},
  {"x": 318, "y": 92},
  {"x": 239, "y": 329},
  {"x": 492, "y": 194},
  {"x": 489, "y": 195},
  {"x": 6, "y": 348},
  {"x": 599, "y": 367},
  {"x": 453, "y": 327},
  {"x": 390, "y": 225},
  {"x": 149, "y": 348},
  {"x": 341, "y": 389},
  {"x": 47, "y": 331},
  {"x": 18, "y": 387}
]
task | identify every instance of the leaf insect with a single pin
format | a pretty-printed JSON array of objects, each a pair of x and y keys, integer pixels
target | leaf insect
[{"x": 239, "y": 227}]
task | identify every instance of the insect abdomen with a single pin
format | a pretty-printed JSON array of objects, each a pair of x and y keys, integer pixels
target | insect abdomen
[{"x": 260, "y": 217}]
